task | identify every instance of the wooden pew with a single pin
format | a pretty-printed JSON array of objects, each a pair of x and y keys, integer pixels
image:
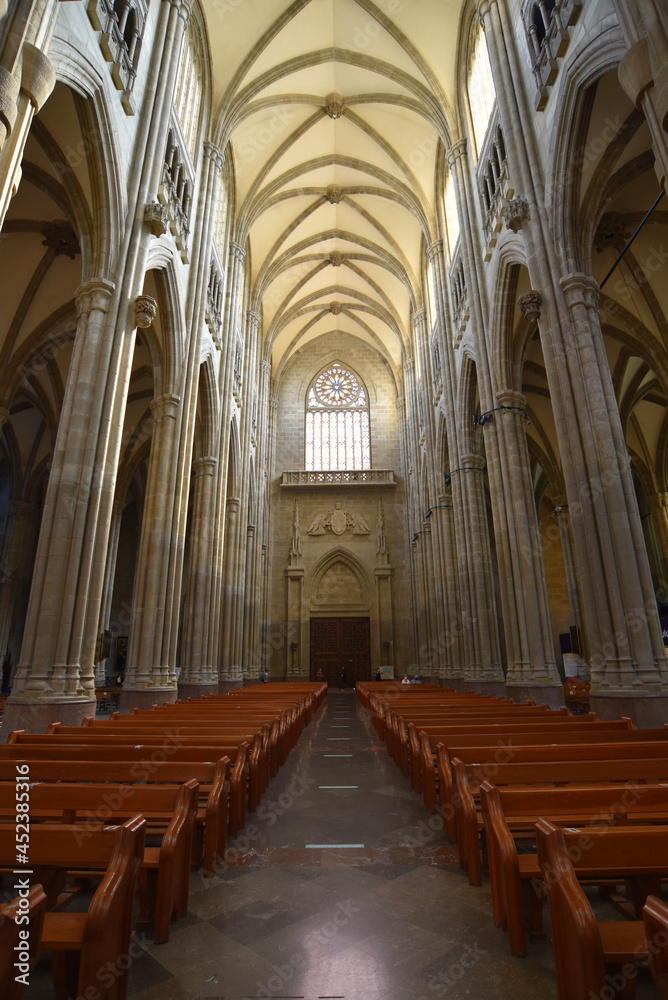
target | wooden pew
[
  {"x": 422, "y": 745},
  {"x": 213, "y": 779},
  {"x": 583, "y": 946},
  {"x": 272, "y": 734},
  {"x": 488, "y": 762},
  {"x": 271, "y": 742},
  {"x": 395, "y": 717},
  {"x": 210, "y": 742},
  {"x": 512, "y": 812},
  {"x": 83, "y": 943},
  {"x": 468, "y": 819},
  {"x": 20, "y": 938},
  {"x": 145, "y": 750},
  {"x": 655, "y": 918},
  {"x": 169, "y": 810},
  {"x": 397, "y": 724}
]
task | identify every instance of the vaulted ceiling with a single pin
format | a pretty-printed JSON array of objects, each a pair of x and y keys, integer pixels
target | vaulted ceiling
[{"x": 334, "y": 110}]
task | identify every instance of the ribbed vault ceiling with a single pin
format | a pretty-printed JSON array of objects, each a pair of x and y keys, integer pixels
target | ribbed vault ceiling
[{"x": 334, "y": 109}]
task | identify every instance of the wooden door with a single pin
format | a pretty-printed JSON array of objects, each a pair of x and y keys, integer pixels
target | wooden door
[{"x": 338, "y": 644}]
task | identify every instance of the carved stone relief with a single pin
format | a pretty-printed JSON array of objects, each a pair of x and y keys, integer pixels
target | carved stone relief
[
  {"x": 338, "y": 521},
  {"x": 339, "y": 585}
]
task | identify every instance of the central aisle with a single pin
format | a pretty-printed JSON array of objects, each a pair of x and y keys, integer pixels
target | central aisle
[{"x": 340, "y": 886}]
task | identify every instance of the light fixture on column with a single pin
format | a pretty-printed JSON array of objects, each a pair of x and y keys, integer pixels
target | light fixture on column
[
  {"x": 484, "y": 418},
  {"x": 439, "y": 506},
  {"x": 464, "y": 468}
]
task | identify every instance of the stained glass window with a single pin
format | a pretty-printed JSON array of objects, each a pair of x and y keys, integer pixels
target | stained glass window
[{"x": 337, "y": 422}]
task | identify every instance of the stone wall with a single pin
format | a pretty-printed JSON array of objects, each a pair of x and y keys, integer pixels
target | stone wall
[{"x": 337, "y": 568}]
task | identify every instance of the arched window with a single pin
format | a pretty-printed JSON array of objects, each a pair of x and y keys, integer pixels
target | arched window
[
  {"x": 337, "y": 421},
  {"x": 481, "y": 91},
  {"x": 188, "y": 94},
  {"x": 538, "y": 24},
  {"x": 451, "y": 214}
]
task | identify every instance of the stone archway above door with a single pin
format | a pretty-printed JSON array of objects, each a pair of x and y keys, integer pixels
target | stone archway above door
[{"x": 339, "y": 584}]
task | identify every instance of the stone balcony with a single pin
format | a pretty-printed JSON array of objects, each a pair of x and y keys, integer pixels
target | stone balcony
[{"x": 300, "y": 479}]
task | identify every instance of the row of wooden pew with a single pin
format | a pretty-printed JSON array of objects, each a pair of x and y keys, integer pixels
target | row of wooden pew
[
  {"x": 135, "y": 799},
  {"x": 544, "y": 803}
]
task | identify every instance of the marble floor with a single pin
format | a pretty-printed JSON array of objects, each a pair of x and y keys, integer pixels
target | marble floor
[{"x": 340, "y": 887}]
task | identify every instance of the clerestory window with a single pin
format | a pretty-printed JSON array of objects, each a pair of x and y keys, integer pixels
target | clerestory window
[{"x": 337, "y": 421}]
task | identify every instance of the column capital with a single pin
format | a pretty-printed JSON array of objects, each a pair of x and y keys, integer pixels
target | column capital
[
  {"x": 5, "y": 416},
  {"x": 182, "y": 7},
  {"x": 435, "y": 249},
  {"x": 213, "y": 153},
  {"x": 580, "y": 289},
  {"x": 508, "y": 397},
  {"x": 238, "y": 251},
  {"x": 232, "y": 505},
  {"x": 205, "y": 466},
  {"x": 529, "y": 304},
  {"x": 118, "y": 507},
  {"x": 658, "y": 501},
  {"x": 38, "y": 77},
  {"x": 473, "y": 462},
  {"x": 253, "y": 319},
  {"x": 483, "y": 7},
  {"x": 273, "y": 402},
  {"x": 165, "y": 406},
  {"x": 95, "y": 294},
  {"x": 146, "y": 309},
  {"x": 419, "y": 317},
  {"x": 409, "y": 366},
  {"x": 456, "y": 152},
  {"x": 265, "y": 368}
]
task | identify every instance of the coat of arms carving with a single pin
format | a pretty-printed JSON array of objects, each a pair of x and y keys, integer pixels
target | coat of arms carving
[{"x": 338, "y": 520}]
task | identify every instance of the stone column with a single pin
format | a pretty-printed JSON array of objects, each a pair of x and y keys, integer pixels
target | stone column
[
  {"x": 49, "y": 683},
  {"x": 25, "y": 85},
  {"x": 449, "y": 540},
  {"x": 231, "y": 675},
  {"x": 198, "y": 285},
  {"x": 225, "y": 517},
  {"x": 658, "y": 505},
  {"x": 149, "y": 676},
  {"x": 561, "y": 513},
  {"x": 532, "y": 672},
  {"x": 250, "y": 637},
  {"x": 643, "y": 72},
  {"x": 16, "y": 542},
  {"x": 415, "y": 523},
  {"x": 619, "y": 609},
  {"x": 295, "y": 663},
  {"x": 263, "y": 582},
  {"x": 244, "y": 564},
  {"x": 448, "y": 643},
  {"x": 433, "y": 562},
  {"x": 198, "y": 674},
  {"x": 482, "y": 650},
  {"x": 109, "y": 578},
  {"x": 384, "y": 573},
  {"x": 629, "y": 660},
  {"x": 481, "y": 639}
]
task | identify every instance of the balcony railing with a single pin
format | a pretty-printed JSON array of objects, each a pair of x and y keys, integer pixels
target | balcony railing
[{"x": 340, "y": 477}]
